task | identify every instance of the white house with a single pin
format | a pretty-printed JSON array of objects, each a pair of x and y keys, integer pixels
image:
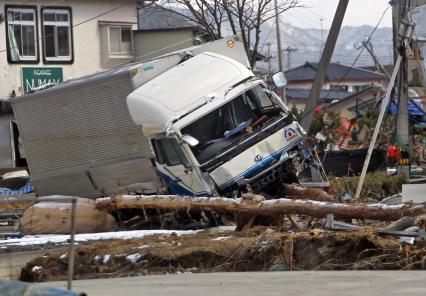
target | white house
[{"x": 51, "y": 41}]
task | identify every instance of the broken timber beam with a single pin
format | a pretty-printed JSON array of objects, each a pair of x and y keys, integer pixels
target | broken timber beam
[{"x": 312, "y": 208}]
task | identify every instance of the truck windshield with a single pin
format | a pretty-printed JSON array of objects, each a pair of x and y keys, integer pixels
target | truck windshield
[{"x": 228, "y": 124}]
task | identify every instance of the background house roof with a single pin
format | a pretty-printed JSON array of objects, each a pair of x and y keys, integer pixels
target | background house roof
[
  {"x": 156, "y": 18},
  {"x": 371, "y": 89},
  {"x": 325, "y": 95},
  {"x": 335, "y": 72}
]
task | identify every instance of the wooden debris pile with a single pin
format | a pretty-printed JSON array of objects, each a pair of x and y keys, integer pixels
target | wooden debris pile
[
  {"x": 310, "y": 235},
  {"x": 259, "y": 249}
]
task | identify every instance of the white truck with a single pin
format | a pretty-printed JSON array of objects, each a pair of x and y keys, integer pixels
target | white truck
[{"x": 214, "y": 129}]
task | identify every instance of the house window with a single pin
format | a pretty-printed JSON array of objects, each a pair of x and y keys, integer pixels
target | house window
[
  {"x": 57, "y": 35},
  {"x": 120, "y": 41},
  {"x": 338, "y": 87},
  {"x": 359, "y": 88},
  {"x": 22, "y": 34}
]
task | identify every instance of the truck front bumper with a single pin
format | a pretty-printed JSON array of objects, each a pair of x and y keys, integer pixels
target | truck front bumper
[{"x": 260, "y": 159}]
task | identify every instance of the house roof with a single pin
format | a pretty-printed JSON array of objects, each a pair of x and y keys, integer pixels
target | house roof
[
  {"x": 388, "y": 68},
  {"x": 155, "y": 18},
  {"x": 335, "y": 72},
  {"x": 354, "y": 95},
  {"x": 325, "y": 95}
]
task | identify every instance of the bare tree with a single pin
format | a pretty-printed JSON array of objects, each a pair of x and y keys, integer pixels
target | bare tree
[{"x": 242, "y": 18}]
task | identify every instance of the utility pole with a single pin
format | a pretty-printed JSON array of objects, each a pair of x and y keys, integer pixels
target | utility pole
[
  {"x": 277, "y": 26},
  {"x": 269, "y": 57},
  {"x": 402, "y": 138},
  {"x": 402, "y": 46},
  {"x": 280, "y": 61},
  {"x": 323, "y": 64},
  {"x": 289, "y": 50},
  {"x": 379, "y": 66},
  {"x": 322, "y": 36},
  {"x": 373, "y": 140}
]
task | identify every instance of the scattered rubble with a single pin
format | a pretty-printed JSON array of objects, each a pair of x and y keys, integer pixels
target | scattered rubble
[
  {"x": 260, "y": 249},
  {"x": 376, "y": 187},
  {"x": 301, "y": 234}
]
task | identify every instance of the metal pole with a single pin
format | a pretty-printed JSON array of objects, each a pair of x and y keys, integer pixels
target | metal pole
[
  {"x": 269, "y": 56},
  {"x": 402, "y": 122},
  {"x": 280, "y": 60},
  {"x": 71, "y": 246},
  {"x": 308, "y": 114},
  {"x": 289, "y": 50},
  {"x": 379, "y": 66},
  {"x": 322, "y": 37},
  {"x": 377, "y": 128},
  {"x": 277, "y": 26}
]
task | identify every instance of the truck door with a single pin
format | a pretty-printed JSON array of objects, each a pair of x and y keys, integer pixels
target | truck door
[{"x": 175, "y": 168}]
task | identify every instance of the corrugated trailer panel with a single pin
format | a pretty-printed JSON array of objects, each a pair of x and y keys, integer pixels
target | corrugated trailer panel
[
  {"x": 6, "y": 147},
  {"x": 80, "y": 139}
]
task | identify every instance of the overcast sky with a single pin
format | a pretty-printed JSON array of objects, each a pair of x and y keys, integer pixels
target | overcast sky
[{"x": 359, "y": 12}]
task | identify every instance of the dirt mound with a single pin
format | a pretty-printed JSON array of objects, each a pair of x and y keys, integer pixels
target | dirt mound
[{"x": 257, "y": 250}]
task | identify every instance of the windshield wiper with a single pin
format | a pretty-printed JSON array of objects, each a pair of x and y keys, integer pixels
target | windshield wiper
[
  {"x": 243, "y": 137},
  {"x": 239, "y": 83}
]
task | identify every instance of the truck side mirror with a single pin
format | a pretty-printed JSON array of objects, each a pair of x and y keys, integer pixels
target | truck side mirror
[
  {"x": 190, "y": 140},
  {"x": 279, "y": 79}
]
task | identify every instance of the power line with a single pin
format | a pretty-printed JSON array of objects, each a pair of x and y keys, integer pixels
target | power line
[
  {"x": 267, "y": 36},
  {"x": 354, "y": 62},
  {"x": 308, "y": 9},
  {"x": 310, "y": 23},
  {"x": 360, "y": 52}
]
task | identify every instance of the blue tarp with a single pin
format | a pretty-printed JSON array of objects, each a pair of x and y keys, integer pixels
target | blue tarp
[
  {"x": 23, "y": 190},
  {"x": 414, "y": 108}
]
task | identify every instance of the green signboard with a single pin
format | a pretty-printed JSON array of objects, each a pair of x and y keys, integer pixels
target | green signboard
[{"x": 36, "y": 77}]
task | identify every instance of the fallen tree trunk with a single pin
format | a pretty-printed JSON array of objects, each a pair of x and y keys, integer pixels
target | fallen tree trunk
[
  {"x": 293, "y": 191},
  {"x": 316, "y": 209}
]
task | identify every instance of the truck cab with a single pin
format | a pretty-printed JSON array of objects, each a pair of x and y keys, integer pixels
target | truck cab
[{"x": 216, "y": 129}]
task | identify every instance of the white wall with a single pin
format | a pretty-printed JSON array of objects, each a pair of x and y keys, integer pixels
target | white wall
[
  {"x": 308, "y": 85},
  {"x": 87, "y": 43}
]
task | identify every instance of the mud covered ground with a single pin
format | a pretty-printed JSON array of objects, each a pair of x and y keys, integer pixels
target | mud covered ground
[{"x": 260, "y": 249}]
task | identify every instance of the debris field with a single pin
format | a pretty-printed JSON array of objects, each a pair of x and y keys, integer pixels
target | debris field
[{"x": 259, "y": 249}]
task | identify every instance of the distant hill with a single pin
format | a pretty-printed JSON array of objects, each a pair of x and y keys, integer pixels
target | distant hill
[{"x": 309, "y": 44}]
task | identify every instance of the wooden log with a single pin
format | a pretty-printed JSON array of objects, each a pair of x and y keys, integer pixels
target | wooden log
[
  {"x": 312, "y": 208},
  {"x": 293, "y": 191}
]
